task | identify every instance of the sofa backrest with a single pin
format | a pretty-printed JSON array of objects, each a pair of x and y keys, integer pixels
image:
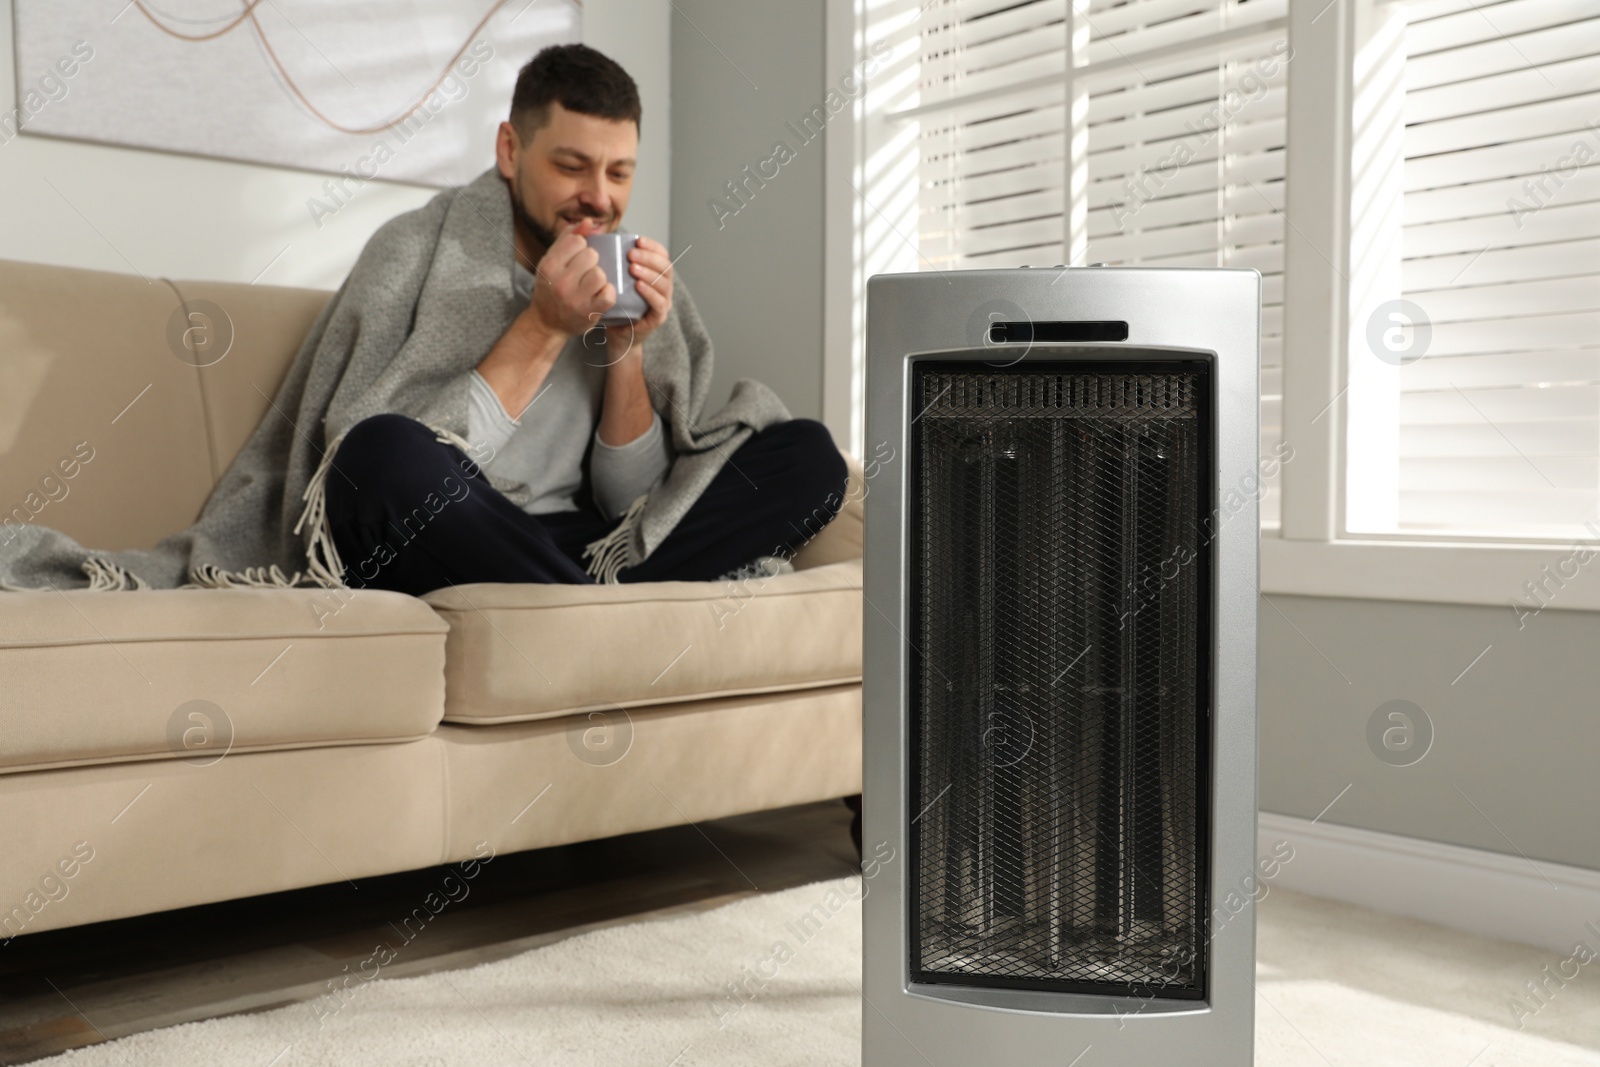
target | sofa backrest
[{"x": 109, "y": 430}]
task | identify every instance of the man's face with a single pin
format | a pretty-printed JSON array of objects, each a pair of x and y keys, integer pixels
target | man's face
[{"x": 575, "y": 167}]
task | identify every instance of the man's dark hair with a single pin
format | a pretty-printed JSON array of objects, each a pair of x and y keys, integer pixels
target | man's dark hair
[{"x": 579, "y": 79}]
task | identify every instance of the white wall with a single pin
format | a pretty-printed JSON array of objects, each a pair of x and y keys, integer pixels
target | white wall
[{"x": 162, "y": 214}]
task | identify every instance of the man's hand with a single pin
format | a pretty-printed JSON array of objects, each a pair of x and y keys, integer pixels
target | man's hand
[
  {"x": 571, "y": 292},
  {"x": 651, "y": 268},
  {"x": 569, "y": 295}
]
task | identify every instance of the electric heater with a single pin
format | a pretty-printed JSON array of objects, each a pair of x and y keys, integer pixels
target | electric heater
[{"x": 1059, "y": 799}]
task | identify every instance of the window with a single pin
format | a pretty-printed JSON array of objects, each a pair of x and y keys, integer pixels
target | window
[
  {"x": 1499, "y": 377},
  {"x": 1040, "y": 132},
  {"x": 1433, "y": 273}
]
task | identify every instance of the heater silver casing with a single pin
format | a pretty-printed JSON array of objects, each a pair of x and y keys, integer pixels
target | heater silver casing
[{"x": 946, "y": 315}]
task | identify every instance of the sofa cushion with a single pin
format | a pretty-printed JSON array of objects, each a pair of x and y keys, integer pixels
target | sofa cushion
[
  {"x": 102, "y": 426},
  {"x": 266, "y": 324},
  {"x": 108, "y": 677},
  {"x": 520, "y": 652},
  {"x": 120, "y": 451}
]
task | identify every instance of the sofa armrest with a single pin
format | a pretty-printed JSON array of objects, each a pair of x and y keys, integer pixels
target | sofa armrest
[{"x": 841, "y": 539}]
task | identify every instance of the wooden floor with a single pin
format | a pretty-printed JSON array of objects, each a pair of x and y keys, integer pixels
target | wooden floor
[{"x": 67, "y": 988}]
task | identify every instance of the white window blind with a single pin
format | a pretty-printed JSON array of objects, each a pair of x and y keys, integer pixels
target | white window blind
[
  {"x": 1500, "y": 418},
  {"x": 1174, "y": 110}
]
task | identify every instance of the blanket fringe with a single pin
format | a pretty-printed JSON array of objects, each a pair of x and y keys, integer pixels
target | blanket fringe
[
  {"x": 322, "y": 557},
  {"x": 610, "y": 553},
  {"x": 108, "y": 577},
  {"x": 104, "y": 577},
  {"x": 209, "y": 576},
  {"x": 449, "y": 438}
]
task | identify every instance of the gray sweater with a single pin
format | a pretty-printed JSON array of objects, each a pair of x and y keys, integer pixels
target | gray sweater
[{"x": 543, "y": 447}]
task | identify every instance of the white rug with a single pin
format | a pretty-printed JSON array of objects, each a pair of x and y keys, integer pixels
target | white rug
[
  {"x": 653, "y": 993},
  {"x": 1337, "y": 987}
]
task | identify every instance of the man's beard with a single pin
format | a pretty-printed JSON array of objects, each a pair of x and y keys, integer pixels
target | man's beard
[{"x": 542, "y": 234}]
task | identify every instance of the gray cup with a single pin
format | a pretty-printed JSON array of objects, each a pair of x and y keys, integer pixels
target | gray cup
[{"x": 613, "y": 250}]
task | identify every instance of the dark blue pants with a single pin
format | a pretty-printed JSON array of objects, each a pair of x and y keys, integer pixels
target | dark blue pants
[{"x": 413, "y": 514}]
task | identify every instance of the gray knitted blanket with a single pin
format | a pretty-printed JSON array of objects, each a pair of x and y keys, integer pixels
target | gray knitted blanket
[{"x": 429, "y": 296}]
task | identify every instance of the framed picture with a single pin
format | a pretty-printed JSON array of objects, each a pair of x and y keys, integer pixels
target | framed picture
[{"x": 399, "y": 90}]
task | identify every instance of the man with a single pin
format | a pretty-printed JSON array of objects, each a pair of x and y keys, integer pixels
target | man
[{"x": 562, "y": 406}]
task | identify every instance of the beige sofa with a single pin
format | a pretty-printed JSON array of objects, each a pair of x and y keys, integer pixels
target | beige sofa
[{"x": 160, "y": 749}]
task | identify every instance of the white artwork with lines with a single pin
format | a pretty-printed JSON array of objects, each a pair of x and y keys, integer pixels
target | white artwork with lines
[{"x": 404, "y": 90}]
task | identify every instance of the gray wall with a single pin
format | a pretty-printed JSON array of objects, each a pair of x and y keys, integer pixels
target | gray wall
[
  {"x": 635, "y": 33},
  {"x": 740, "y": 71},
  {"x": 1518, "y": 735}
]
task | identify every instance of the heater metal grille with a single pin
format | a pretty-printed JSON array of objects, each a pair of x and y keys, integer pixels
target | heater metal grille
[{"x": 1060, "y": 676}]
